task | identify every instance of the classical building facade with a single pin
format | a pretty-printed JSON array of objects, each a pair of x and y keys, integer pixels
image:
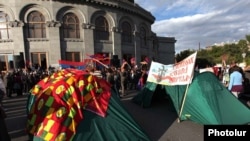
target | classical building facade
[{"x": 41, "y": 32}]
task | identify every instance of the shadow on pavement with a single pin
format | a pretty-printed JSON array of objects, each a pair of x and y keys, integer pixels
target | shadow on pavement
[
  {"x": 160, "y": 120},
  {"x": 156, "y": 119}
]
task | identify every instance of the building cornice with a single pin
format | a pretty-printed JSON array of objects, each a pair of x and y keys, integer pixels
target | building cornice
[
  {"x": 124, "y": 5},
  {"x": 166, "y": 39}
]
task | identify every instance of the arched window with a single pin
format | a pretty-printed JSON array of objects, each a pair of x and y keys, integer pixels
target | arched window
[
  {"x": 143, "y": 37},
  {"x": 36, "y": 25},
  {"x": 70, "y": 26},
  {"x": 4, "y": 26},
  {"x": 126, "y": 33},
  {"x": 101, "y": 29}
]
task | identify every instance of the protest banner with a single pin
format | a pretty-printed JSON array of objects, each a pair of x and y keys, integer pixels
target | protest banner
[{"x": 174, "y": 74}]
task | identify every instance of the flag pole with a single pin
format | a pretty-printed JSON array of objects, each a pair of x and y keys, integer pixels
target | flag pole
[
  {"x": 100, "y": 62},
  {"x": 185, "y": 95},
  {"x": 183, "y": 102}
]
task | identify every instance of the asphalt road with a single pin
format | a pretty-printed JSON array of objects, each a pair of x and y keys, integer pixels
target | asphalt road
[
  {"x": 159, "y": 121},
  {"x": 16, "y": 117}
]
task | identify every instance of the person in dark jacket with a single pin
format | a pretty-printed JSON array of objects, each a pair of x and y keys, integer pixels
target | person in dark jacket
[
  {"x": 132, "y": 79},
  {"x": 4, "y": 135},
  {"x": 143, "y": 79}
]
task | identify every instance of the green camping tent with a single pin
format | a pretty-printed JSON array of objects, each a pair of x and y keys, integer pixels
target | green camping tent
[{"x": 207, "y": 101}]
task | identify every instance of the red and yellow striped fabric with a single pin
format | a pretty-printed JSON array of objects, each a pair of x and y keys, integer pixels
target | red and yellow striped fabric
[{"x": 60, "y": 101}]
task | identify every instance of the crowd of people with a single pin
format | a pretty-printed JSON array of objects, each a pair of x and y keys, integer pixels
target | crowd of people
[
  {"x": 15, "y": 82},
  {"x": 121, "y": 79},
  {"x": 20, "y": 81},
  {"x": 125, "y": 78},
  {"x": 233, "y": 77}
]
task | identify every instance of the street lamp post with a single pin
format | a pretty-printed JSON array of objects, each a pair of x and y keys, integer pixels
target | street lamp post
[{"x": 135, "y": 32}]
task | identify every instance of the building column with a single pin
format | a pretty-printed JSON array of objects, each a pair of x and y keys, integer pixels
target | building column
[
  {"x": 88, "y": 33},
  {"x": 18, "y": 45},
  {"x": 116, "y": 46},
  {"x": 150, "y": 47},
  {"x": 137, "y": 50},
  {"x": 54, "y": 53}
]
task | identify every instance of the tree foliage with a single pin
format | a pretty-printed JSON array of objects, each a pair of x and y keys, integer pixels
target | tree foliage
[
  {"x": 183, "y": 55},
  {"x": 215, "y": 54}
]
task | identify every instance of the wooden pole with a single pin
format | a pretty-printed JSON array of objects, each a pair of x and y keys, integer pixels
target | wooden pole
[
  {"x": 183, "y": 102},
  {"x": 100, "y": 63}
]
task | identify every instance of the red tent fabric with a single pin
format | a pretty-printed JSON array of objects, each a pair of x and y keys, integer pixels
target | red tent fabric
[{"x": 60, "y": 101}]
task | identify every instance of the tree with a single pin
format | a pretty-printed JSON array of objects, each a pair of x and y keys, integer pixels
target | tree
[
  {"x": 214, "y": 55},
  {"x": 183, "y": 54},
  {"x": 243, "y": 46},
  {"x": 248, "y": 39}
]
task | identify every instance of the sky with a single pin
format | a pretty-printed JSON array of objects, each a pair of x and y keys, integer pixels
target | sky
[{"x": 199, "y": 23}]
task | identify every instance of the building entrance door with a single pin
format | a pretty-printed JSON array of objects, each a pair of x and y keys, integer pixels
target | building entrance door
[
  {"x": 39, "y": 60},
  {"x": 6, "y": 62}
]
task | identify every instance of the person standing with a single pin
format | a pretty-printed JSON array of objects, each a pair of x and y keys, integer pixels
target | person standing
[
  {"x": 110, "y": 78},
  {"x": 10, "y": 82},
  {"x": 117, "y": 80},
  {"x": 132, "y": 79},
  {"x": 233, "y": 65},
  {"x": 124, "y": 77},
  {"x": 18, "y": 84},
  {"x": 2, "y": 91},
  {"x": 143, "y": 78},
  {"x": 236, "y": 81},
  {"x": 4, "y": 135}
]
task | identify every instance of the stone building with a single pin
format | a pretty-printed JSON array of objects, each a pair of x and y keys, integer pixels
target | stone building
[{"x": 41, "y": 32}]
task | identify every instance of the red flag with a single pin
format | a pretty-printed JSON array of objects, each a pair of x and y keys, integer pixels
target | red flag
[{"x": 102, "y": 57}]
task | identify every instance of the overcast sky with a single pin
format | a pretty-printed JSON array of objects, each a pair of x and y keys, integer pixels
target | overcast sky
[{"x": 199, "y": 23}]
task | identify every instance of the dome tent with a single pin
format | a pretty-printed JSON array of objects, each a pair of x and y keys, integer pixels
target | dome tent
[{"x": 207, "y": 101}]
